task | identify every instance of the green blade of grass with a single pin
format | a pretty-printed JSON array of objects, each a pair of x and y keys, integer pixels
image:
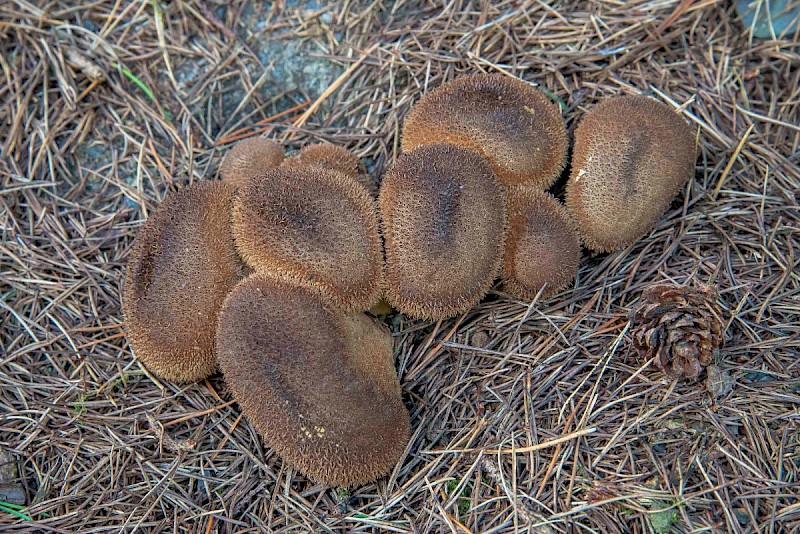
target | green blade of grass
[
  {"x": 4, "y": 507},
  {"x": 141, "y": 85}
]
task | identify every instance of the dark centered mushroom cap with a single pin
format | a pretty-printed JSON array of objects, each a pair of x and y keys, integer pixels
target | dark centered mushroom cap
[
  {"x": 319, "y": 385},
  {"x": 632, "y": 156},
  {"x": 513, "y": 125},
  {"x": 317, "y": 225},
  {"x": 542, "y": 246},
  {"x": 250, "y": 158},
  {"x": 444, "y": 220},
  {"x": 331, "y": 157},
  {"x": 182, "y": 266}
]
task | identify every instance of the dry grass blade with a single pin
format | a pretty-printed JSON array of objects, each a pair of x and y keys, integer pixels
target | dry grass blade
[{"x": 84, "y": 162}]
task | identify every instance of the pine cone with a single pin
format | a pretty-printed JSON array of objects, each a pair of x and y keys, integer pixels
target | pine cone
[{"x": 679, "y": 327}]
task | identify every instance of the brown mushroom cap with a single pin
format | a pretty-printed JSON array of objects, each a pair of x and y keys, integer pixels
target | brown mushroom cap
[
  {"x": 542, "y": 246},
  {"x": 513, "y": 125},
  {"x": 319, "y": 385},
  {"x": 632, "y": 155},
  {"x": 182, "y": 266},
  {"x": 444, "y": 225},
  {"x": 250, "y": 158},
  {"x": 331, "y": 157},
  {"x": 314, "y": 224}
]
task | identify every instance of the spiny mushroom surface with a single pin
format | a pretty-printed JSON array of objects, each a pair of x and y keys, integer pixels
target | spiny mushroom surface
[
  {"x": 182, "y": 266},
  {"x": 249, "y": 158},
  {"x": 319, "y": 385},
  {"x": 444, "y": 220},
  {"x": 331, "y": 157},
  {"x": 542, "y": 247},
  {"x": 314, "y": 224},
  {"x": 632, "y": 155},
  {"x": 513, "y": 125}
]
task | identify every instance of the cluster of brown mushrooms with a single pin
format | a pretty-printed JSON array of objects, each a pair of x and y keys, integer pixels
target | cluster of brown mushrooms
[{"x": 267, "y": 274}]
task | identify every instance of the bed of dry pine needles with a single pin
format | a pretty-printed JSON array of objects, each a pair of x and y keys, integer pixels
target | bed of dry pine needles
[{"x": 527, "y": 417}]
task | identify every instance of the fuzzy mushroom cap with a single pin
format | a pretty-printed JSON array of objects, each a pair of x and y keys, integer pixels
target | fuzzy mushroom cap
[
  {"x": 314, "y": 224},
  {"x": 542, "y": 247},
  {"x": 182, "y": 266},
  {"x": 514, "y": 126},
  {"x": 632, "y": 156},
  {"x": 318, "y": 385},
  {"x": 332, "y": 157},
  {"x": 250, "y": 158},
  {"x": 444, "y": 221}
]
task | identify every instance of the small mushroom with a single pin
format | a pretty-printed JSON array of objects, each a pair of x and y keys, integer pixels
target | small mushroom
[
  {"x": 249, "y": 158},
  {"x": 332, "y": 157},
  {"x": 542, "y": 247},
  {"x": 444, "y": 221},
  {"x": 632, "y": 155},
  {"x": 319, "y": 385},
  {"x": 513, "y": 125},
  {"x": 182, "y": 266},
  {"x": 317, "y": 225}
]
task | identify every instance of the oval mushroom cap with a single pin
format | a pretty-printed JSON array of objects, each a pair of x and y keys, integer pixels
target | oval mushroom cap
[
  {"x": 542, "y": 247},
  {"x": 331, "y": 157},
  {"x": 319, "y": 385},
  {"x": 250, "y": 158},
  {"x": 182, "y": 266},
  {"x": 444, "y": 220},
  {"x": 632, "y": 155},
  {"x": 314, "y": 224},
  {"x": 513, "y": 125}
]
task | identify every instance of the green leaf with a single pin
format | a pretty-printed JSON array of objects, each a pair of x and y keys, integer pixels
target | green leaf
[
  {"x": 462, "y": 501},
  {"x": 663, "y": 516}
]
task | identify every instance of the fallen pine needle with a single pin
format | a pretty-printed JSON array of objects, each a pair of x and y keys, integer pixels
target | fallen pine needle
[
  {"x": 731, "y": 161},
  {"x": 198, "y": 414},
  {"x": 333, "y": 87},
  {"x": 529, "y": 448},
  {"x": 251, "y": 130}
]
